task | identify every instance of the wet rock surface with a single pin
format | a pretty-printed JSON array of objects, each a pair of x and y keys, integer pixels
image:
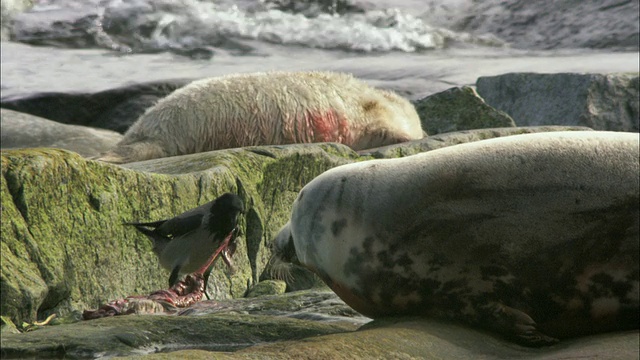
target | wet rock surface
[
  {"x": 300, "y": 325},
  {"x": 226, "y": 325}
]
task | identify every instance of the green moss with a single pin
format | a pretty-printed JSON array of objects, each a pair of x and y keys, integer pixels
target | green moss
[
  {"x": 64, "y": 245},
  {"x": 459, "y": 108},
  {"x": 267, "y": 287}
]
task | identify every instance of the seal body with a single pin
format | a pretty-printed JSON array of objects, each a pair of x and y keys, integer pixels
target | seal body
[
  {"x": 271, "y": 108},
  {"x": 534, "y": 236}
]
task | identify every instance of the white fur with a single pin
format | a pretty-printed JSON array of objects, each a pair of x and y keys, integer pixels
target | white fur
[{"x": 267, "y": 108}]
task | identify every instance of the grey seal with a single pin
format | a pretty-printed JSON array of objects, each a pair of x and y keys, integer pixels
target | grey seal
[{"x": 532, "y": 236}]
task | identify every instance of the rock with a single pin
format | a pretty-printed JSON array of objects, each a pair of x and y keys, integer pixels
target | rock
[
  {"x": 114, "y": 109},
  {"x": 458, "y": 137},
  {"x": 601, "y": 102},
  {"x": 267, "y": 287},
  {"x": 551, "y": 24},
  {"x": 315, "y": 304},
  {"x": 63, "y": 244},
  {"x": 458, "y": 108},
  {"x": 272, "y": 327},
  {"x": 9, "y": 9},
  {"x": 7, "y": 326},
  {"x": 422, "y": 339},
  {"x": 227, "y": 325},
  {"x": 126, "y": 335},
  {"x": 20, "y": 130}
]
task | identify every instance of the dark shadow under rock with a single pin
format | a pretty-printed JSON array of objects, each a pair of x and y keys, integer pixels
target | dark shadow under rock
[{"x": 113, "y": 109}]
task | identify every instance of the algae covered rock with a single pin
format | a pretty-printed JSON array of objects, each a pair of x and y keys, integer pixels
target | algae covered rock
[
  {"x": 458, "y": 108},
  {"x": 64, "y": 247},
  {"x": 267, "y": 287},
  {"x": 601, "y": 102}
]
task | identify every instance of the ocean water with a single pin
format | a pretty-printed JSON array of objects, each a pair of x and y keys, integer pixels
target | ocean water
[{"x": 413, "y": 47}]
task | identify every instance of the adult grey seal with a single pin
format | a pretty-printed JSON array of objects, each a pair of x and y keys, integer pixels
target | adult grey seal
[
  {"x": 534, "y": 236},
  {"x": 271, "y": 108}
]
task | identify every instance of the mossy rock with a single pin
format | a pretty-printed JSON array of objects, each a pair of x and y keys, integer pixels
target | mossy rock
[
  {"x": 64, "y": 247},
  {"x": 456, "y": 109}
]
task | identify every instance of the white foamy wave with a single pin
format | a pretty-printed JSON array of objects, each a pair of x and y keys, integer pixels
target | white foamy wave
[
  {"x": 151, "y": 26},
  {"x": 371, "y": 31},
  {"x": 376, "y": 30}
]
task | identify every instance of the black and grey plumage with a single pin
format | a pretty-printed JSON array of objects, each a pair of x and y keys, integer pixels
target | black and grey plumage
[{"x": 191, "y": 241}]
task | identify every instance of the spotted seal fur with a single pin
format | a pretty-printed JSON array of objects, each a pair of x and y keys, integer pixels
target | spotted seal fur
[{"x": 534, "y": 236}]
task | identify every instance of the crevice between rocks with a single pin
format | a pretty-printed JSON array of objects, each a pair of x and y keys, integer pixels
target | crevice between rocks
[
  {"x": 263, "y": 152},
  {"x": 17, "y": 196}
]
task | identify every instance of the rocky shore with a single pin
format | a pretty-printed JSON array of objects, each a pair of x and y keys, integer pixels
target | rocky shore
[{"x": 64, "y": 248}]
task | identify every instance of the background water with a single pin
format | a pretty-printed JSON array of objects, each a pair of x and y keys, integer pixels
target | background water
[{"x": 411, "y": 46}]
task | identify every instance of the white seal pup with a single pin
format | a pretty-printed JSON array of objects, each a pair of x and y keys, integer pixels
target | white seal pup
[
  {"x": 534, "y": 236},
  {"x": 270, "y": 108}
]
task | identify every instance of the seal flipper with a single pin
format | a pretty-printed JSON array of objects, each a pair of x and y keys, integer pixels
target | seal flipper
[{"x": 516, "y": 325}]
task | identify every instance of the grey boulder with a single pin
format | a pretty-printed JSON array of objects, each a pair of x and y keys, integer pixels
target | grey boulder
[{"x": 21, "y": 130}]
